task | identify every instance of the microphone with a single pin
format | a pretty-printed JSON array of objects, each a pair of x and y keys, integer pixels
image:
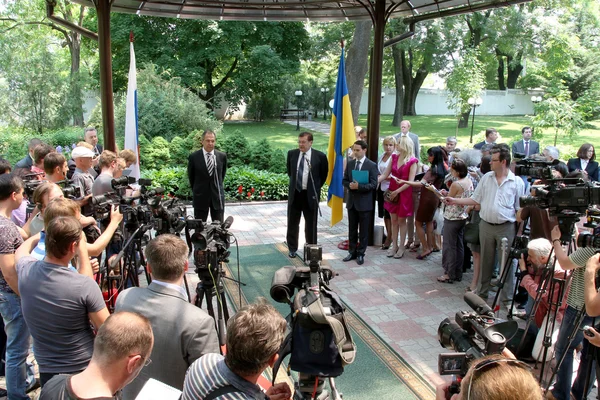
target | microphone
[
  {"x": 478, "y": 304},
  {"x": 155, "y": 192},
  {"x": 227, "y": 223},
  {"x": 308, "y": 162}
]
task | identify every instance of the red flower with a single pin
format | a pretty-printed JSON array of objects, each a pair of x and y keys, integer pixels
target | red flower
[
  {"x": 252, "y": 190},
  {"x": 240, "y": 189},
  {"x": 249, "y": 194},
  {"x": 262, "y": 193}
]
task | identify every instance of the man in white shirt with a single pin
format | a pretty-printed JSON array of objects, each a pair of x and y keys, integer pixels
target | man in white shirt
[{"x": 498, "y": 195}]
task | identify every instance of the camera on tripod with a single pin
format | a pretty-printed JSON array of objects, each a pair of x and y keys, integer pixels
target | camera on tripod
[
  {"x": 519, "y": 248},
  {"x": 591, "y": 239},
  {"x": 320, "y": 343},
  {"x": 210, "y": 242},
  {"x": 469, "y": 328},
  {"x": 534, "y": 168}
]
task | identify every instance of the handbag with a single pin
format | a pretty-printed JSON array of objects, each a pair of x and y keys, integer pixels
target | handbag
[
  {"x": 387, "y": 197},
  {"x": 471, "y": 233},
  {"x": 438, "y": 221}
]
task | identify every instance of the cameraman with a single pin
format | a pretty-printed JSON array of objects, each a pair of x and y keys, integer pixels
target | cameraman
[
  {"x": 495, "y": 377},
  {"x": 109, "y": 166},
  {"x": 575, "y": 304},
  {"x": 538, "y": 252},
  {"x": 254, "y": 335}
]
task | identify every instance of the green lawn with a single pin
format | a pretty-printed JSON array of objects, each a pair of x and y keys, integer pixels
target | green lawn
[{"x": 432, "y": 130}]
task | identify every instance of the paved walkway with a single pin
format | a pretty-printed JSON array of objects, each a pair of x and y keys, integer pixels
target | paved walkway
[
  {"x": 400, "y": 299},
  {"x": 315, "y": 126}
]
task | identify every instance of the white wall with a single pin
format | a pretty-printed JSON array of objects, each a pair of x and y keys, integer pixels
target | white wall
[{"x": 433, "y": 102}]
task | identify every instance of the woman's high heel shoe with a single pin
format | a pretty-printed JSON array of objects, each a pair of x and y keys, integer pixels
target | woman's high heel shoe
[{"x": 391, "y": 252}]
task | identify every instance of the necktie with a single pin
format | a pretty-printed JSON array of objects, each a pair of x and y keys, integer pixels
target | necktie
[
  {"x": 357, "y": 167},
  {"x": 300, "y": 173},
  {"x": 210, "y": 164},
  {"x": 526, "y": 148}
]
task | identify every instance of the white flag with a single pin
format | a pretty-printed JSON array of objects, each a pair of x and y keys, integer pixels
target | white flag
[{"x": 131, "y": 115}]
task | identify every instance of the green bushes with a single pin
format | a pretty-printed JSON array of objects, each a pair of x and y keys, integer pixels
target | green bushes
[{"x": 259, "y": 155}]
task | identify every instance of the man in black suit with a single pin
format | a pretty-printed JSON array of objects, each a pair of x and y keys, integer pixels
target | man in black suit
[
  {"x": 491, "y": 135},
  {"x": 91, "y": 136},
  {"x": 526, "y": 146},
  {"x": 27, "y": 161},
  {"x": 206, "y": 171},
  {"x": 360, "y": 202},
  {"x": 307, "y": 169}
]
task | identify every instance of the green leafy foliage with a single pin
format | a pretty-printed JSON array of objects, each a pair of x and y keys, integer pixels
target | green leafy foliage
[
  {"x": 237, "y": 148},
  {"x": 558, "y": 112},
  {"x": 240, "y": 181},
  {"x": 466, "y": 80},
  {"x": 173, "y": 179},
  {"x": 154, "y": 154},
  {"x": 165, "y": 107}
]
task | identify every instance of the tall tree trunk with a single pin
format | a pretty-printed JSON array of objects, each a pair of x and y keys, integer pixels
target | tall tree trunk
[
  {"x": 500, "y": 58},
  {"x": 399, "y": 81},
  {"x": 463, "y": 122},
  {"x": 514, "y": 70},
  {"x": 357, "y": 65},
  {"x": 75, "y": 83},
  {"x": 417, "y": 82}
]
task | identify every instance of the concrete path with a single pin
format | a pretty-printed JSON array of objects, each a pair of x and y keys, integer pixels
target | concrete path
[
  {"x": 315, "y": 126},
  {"x": 400, "y": 299}
]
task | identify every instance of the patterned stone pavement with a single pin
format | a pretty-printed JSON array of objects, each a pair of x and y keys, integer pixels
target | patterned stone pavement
[{"x": 400, "y": 299}]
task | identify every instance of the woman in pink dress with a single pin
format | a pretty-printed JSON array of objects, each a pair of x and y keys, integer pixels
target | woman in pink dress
[{"x": 402, "y": 167}]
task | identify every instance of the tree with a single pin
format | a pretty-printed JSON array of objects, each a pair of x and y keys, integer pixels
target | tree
[
  {"x": 559, "y": 112},
  {"x": 30, "y": 15},
  {"x": 205, "y": 55},
  {"x": 466, "y": 80},
  {"x": 357, "y": 64}
]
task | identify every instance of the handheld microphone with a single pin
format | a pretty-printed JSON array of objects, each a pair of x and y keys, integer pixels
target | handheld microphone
[{"x": 478, "y": 304}]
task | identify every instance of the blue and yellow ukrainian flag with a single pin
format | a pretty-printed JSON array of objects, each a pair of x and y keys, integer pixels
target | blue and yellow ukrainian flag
[{"x": 341, "y": 137}]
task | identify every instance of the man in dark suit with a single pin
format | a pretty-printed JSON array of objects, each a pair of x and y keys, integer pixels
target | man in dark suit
[
  {"x": 91, "y": 136},
  {"x": 526, "y": 146},
  {"x": 491, "y": 135},
  {"x": 307, "y": 169},
  {"x": 360, "y": 202},
  {"x": 206, "y": 171},
  {"x": 182, "y": 332},
  {"x": 27, "y": 161}
]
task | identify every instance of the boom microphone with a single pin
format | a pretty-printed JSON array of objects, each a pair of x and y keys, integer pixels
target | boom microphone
[{"x": 478, "y": 304}]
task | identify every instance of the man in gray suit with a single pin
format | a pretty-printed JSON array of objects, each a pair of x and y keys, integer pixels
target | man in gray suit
[
  {"x": 526, "y": 146},
  {"x": 405, "y": 131},
  {"x": 182, "y": 332}
]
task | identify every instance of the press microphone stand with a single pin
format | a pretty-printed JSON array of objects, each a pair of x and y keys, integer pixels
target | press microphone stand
[{"x": 312, "y": 181}]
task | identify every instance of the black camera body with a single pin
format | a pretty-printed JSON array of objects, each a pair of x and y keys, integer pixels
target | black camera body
[
  {"x": 210, "y": 243},
  {"x": 469, "y": 328},
  {"x": 535, "y": 168}
]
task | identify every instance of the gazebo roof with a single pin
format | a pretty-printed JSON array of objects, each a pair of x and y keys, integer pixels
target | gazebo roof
[{"x": 299, "y": 10}]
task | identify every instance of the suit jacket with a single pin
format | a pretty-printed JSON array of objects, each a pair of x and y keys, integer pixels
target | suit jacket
[
  {"x": 592, "y": 168},
  {"x": 182, "y": 334},
  {"x": 98, "y": 147},
  {"x": 519, "y": 147},
  {"x": 479, "y": 145},
  {"x": 25, "y": 162},
  {"x": 362, "y": 198},
  {"x": 415, "y": 140},
  {"x": 206, "y": 191},
  {"x": 318, "y": 168}
]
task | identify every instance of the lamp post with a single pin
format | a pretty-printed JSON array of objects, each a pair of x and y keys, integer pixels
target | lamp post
[
  {"x": 474, "y": 102},
  {"x": 324, "y": 91},
  {"x": 298, "y": 94},
  {"x": 535, "y": 100}
]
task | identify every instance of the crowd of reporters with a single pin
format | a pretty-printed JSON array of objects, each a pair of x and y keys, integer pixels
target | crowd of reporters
[{"x": 51, "y": 249}]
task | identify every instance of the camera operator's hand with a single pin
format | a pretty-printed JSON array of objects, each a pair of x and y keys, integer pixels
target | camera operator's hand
[
  {"x": 595, "y": 340},
  {"x": 95, "y": 264},
  {"x": 522, "y": 263},
  {"x": 592, "y": 265},
  {"x": 555, "y": 233},
  {"x": 441, "y": 391},
  {"x": 280, "y": 391},
  {"x": 115, "y": 214}
]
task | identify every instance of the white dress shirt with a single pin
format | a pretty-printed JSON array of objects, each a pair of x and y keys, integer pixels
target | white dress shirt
[
  {"x": 499, "y": 203},
  {"x": 306, "y": 169}
]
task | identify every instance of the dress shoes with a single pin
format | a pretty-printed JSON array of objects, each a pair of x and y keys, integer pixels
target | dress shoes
[
  {"x": 360, "y": 260},
  {"x": 349, "y": 257},
  {"x": 292, "y": 254}
]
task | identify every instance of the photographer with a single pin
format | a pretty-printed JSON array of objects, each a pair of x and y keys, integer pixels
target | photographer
[
  {"x": 538, "y": 252},
  {"x": 495, "y": 377},
  {"x": 254, "y": 335},
  {"x": 575, "y": 304},
  {"x": 109, "y": 166}
]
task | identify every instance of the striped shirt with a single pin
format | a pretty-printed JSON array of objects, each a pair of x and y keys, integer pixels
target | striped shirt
[
  {"x": 580, "y": 256},
  {"x": 209, "y": 373}
]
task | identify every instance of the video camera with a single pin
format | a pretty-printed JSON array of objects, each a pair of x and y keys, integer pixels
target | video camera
[
  {"x": 534, "y": 167},
  {"x": 31, "y": 181},
  {"x": 70, "y": 191},
  {"x": 320, "y": 343},
  {"x": 591, "y": 239},
  {"x": 473, "y": 335},
  {"x": 210, "y": 243}
]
